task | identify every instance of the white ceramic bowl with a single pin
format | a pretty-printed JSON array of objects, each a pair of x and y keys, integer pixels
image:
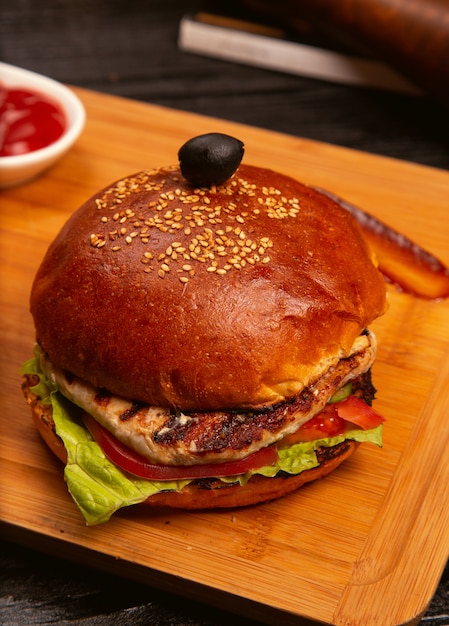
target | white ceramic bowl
[{"x": 20, "y": 168}]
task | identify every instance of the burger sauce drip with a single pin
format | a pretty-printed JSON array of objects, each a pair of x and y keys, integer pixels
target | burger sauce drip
[
  {"x": 29, "y": 121},
  {"x": 401, "y": 261}
]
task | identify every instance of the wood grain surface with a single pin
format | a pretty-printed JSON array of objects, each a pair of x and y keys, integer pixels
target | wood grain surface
[{"x": 365, "y": 546}]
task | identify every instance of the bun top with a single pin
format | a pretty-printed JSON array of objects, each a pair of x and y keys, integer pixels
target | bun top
[{"x": 202, "y": 299}]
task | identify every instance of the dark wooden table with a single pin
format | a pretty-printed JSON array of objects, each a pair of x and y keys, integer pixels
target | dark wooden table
[{"x": 129, "y": 48}]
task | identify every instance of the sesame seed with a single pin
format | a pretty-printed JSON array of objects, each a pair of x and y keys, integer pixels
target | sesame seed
[{"x": 215, "y": 216}]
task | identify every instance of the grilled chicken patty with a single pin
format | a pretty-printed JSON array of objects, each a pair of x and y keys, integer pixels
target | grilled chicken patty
[{"x": 172, "y": 437}]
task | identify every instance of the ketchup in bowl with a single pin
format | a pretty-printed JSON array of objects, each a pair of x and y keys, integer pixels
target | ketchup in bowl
[{"x": 28, "y": 121}]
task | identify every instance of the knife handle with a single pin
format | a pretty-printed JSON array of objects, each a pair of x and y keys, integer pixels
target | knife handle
[{"x": 412, "y": 36}]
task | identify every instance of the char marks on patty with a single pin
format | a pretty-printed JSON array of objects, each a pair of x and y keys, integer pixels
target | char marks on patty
[{"x": 169, "y": 436}]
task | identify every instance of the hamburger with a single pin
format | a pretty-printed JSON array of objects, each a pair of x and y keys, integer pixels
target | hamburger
[{"x": 202, "y": 340}]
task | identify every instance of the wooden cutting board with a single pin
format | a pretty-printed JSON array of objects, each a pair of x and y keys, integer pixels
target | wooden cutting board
[{"x": 367, "y": 545}]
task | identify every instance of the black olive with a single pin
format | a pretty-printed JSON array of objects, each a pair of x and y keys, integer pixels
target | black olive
[{"x": 210, "y": 159}]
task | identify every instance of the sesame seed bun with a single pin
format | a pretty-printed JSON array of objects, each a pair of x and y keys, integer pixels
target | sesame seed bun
[{"x": 234, "y": 296}]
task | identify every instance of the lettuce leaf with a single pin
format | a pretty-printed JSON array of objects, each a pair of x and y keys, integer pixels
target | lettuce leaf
[
  {"x": 96, "y": 485},
  {"x": 299, "y": 457},
  {"x": 99, "y": 488}
]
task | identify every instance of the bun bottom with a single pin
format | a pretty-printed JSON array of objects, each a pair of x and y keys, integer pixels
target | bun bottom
[
  {"x": 214, "y": 494},
  {"x": 205, "y": 494}
]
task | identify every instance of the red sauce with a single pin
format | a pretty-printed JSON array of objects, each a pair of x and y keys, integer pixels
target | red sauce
[
  {"x": 28, "y": 121},
  {"x": 401, "y": 261}
]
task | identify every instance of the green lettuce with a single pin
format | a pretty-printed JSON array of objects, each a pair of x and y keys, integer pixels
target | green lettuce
[
  {"x": 96, "y": 485},
  {"x": 99, "y": 488}
]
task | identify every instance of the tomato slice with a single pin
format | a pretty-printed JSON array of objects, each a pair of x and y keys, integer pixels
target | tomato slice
[
  {"x": 357, "y": 412},
  {"x": 133, "y": 463},
  {"x": 327, "y": 423},
  {"x": 335, "y": 419}
]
